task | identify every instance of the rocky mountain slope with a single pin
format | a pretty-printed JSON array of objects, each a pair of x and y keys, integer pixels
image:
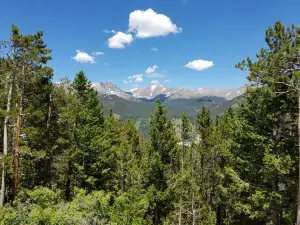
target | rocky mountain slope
[{"x": 108, "y": 89}]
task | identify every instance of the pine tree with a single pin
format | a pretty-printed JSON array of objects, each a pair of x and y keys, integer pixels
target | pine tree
[
  {"x": 28, "y": 56},
  {"x": 164, "y": 147},
  {"x": 267, "y": 129}
]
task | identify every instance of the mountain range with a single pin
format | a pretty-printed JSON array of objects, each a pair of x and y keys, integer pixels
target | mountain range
[
  {"x": 138, "y": 103},
  {"x": 151, "y": 93}
]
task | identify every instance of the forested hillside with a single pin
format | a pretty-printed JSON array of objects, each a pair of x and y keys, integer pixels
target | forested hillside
[{"x": 64, "y": 161}]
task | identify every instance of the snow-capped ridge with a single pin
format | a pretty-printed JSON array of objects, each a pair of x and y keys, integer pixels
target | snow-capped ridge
[{"x": 151, "y": 92}]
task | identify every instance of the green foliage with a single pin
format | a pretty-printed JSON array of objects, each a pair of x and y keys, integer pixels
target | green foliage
[{"x": 78, "y": 166}]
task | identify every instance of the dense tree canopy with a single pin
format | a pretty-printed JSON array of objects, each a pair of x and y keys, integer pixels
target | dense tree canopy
[{"x": 65, "y": 162}]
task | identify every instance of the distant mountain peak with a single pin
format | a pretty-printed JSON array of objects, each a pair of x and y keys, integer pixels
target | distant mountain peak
[
  {"x": 157, "y": 90},
  {"x": 108, "y": 88}
]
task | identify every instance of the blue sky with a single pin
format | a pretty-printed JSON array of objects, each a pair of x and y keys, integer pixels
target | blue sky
[{"x": 197, "y": 42}]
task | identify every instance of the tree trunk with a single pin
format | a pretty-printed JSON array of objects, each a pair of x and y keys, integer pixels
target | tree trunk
[
  {"x": 47, "y": 163},
  {"x": 123, "y": 172},
  {"x": 182, "y": 167},
  {"x": 193, "y": 209},
  {"x": 156, "y": 215},
  {"x": 16, "y": 149},
  {"x": 68, "y": 182},
  {"x": 182, "y": 156},
  {"x": 275, "y": 215},
  {"x": 49, "y": 111},
  {"x": 298, "y": 210},
  {"x": 5, "y": 139},
  {"x": 194, "y": 217},
  {"x": 180, "y": 215}
]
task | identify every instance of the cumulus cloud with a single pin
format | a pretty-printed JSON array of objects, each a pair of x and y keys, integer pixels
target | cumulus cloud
[
  {"x": 83, "y": 57},
  {"x": 120, "y": 40},
  {"x": 134, "y": 78},
  {"x": 154, "y": 82},
  {"x": 151, "y": 69},
  {"x": 97, "y": 53},
  {"x": 155, "y": 75},
  {"x": 148, "y": 24},
  {"x": 154, "y": 49},
  {"x": 199, "y": 64}
]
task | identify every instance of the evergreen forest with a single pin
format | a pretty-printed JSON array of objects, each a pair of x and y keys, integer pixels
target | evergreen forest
[{"x": 64, "y": 161}]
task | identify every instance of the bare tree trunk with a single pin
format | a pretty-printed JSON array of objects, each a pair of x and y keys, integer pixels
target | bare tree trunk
[
  {"x": 298, "y": 204},
  {"x": 182, "y": 167},
  {"x": 275, "y": 215},
  {"x": 16, "y": 150},
  {"x": 49, "y": 111},
  {"x": 193, "y": 209},
  {"x": 180, "y": 215},
  {"x": 182, "y": 156},
  {"x": 194, "y": 217},
  {"x": 5, "y": 139}
]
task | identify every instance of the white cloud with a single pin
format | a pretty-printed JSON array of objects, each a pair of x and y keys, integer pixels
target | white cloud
[
  {"x": 154, "y": 49},
  {"x": 109, "y": 31},
  {"x": 166, "y": 81},
  {"x": 154, "y": 82},
  {"x": 97, "y": 53},
  {"x": 151, "y": 24},
  {"x": 83, "y": 57},
  {"x": 151, "y": 69},
  {"x": 120, "y": 40},
  {"x": 155, "y": 75},
  {"x": 139, "y": 79},
  {"x": 106, "y": 64},
  {"x": 199, "y": 64},
  {"x": 134, "y": 78}
]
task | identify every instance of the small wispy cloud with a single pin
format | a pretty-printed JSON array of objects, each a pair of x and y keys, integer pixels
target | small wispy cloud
[
  {"x": 134, "y": 78},
  {"x": 97, "y": 53},
  {"x": 127, "y": 81},
  {"x": 155, "y": 75},
  {"x": 183, "y": 1},
  {"x": 109, "y": 31},
  {"x": 154, "y": 82},
  {"x": 154, "y": 49},
  {"x": 166, "y": 81},
  {"x": 151, "y": 69}
]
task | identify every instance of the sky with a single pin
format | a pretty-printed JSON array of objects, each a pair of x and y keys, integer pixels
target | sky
[{"x": 134, "y": 43}]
